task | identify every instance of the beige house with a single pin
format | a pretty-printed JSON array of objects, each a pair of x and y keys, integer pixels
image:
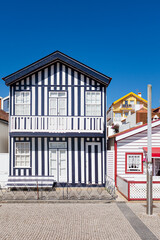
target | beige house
[{"x": 124, "y": 107}]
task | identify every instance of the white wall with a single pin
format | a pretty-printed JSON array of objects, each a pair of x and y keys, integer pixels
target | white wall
[
  {"x": 110, "y": 164},
  {"x": 4, "y": 163}
]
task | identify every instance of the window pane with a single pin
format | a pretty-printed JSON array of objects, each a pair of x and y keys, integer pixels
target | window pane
[
  {"x": 53, "y": 111},
  {"x": 134, "y": 163},
  {"x": 53, "y": 106},
  {"x": 22, "y": 103},
  {"x": 57, "y": 145},
  {"x": 62, "y": 106},
  {"x": 93, "y": 103},
  {"x": 26, "y": 109},
  {"x": 26, "y": 97},
  {"x": 22, "y": 154},
  {"x": 18, "y": 97},
  {"x": 53, "y": 94},
  {"x": 61, "y": 94}
]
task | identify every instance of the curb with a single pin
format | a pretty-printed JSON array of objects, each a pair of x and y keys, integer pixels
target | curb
[{"x": 59, "y": 201}]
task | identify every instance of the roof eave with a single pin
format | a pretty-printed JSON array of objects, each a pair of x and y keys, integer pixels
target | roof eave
[{"x": 128, "y": 131}]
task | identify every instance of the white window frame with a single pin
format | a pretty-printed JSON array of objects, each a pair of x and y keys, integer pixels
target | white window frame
[
  {"x": 22, "y": 155},
  {"x": 56, "y": 93},
  {"x": 118, "y": 118},
  {"x": 3, "y": 100},
  {"x": 93, "y": 103},
  {"x": 23, "y": 104},
  {"x": 134, "y": 162},
  {"x": 132, "y": 102}
]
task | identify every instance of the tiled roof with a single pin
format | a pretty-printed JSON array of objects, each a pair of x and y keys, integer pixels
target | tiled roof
[{"x": 3, "y": 115}]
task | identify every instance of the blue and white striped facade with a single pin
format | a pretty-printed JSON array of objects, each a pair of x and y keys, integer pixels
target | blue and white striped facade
[{"x": 84, "y": 136}]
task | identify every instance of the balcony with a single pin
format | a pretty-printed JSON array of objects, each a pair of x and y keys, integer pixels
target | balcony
[
  {"x": 132, "y": 106},
  {"x": 49, "y": 124}
]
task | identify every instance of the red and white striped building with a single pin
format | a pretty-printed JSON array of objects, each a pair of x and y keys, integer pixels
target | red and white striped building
[{"x": 126, "y": 161}]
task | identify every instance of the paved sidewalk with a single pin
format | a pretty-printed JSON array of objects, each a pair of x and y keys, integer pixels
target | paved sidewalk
[{"x": 74, "y": 221}]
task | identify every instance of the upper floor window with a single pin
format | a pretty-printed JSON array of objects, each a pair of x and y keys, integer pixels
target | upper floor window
[
  {"x": 132, "y": 102},
  {"x": 22, "y": 103},
  {"x": 93, "y": 103},
  {"x": 117, "y": 117},
  {"x": 58, "y": 103},
  {"x": 6, "y": 105},
  {"x": 22, "y": 156}
]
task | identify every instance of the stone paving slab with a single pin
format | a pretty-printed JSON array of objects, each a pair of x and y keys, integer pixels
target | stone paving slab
[
  {"x": 64, "y": 221},
  {"x": 143, "y": 231},
  {"x": 153, "y": 221}
]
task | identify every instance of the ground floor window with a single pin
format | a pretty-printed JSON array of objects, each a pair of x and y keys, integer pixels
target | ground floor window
[
  {"x": 156, "y": 166},
  {"x": 134, "y": 163},
  {"x": 22, "y": 154}
]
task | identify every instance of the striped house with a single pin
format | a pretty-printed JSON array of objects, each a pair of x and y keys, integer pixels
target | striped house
[
  {"x": 57, "y": 123},
  {"x": 127, "y": 159}
]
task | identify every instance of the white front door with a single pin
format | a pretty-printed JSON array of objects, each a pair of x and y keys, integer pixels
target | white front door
[
  {"x": 93, "y": 163},
  {"x": 58, "y": 162}
]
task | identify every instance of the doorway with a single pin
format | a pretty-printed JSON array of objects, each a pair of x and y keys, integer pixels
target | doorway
[{"x": 58, "y": 161}]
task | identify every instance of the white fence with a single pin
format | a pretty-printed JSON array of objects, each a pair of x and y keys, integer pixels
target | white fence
[
  {"x": 135, "y": 188},
  {"x": 122, "y": 186},
  {"x": 4, "y": 162}
]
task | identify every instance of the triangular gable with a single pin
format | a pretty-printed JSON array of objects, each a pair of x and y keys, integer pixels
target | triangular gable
[
  {"x": 54, "y": 57},
  {"x": 134, "y": 130},
  {"x": 129, "y": 94}
]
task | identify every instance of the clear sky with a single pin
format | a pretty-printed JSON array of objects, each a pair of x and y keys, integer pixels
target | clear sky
[{"x": 119, "y": 38}]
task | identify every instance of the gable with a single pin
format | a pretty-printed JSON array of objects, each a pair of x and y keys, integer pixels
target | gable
[
  {"x": 134, "y": 131},
  {"x": 140, "y": 139},
  {"x": 57, "y": 76},
  {"x": 129, "y": 96},
  {"x": 57, "y": 57}
]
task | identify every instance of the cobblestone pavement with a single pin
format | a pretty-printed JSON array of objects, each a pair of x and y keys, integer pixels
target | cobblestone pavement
[{"x": 71, "y": 221}]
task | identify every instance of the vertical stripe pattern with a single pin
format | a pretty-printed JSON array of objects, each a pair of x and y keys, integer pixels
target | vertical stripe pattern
[{"x": 85, "y": 160}]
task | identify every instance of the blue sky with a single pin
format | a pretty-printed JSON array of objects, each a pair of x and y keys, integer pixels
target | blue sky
[{"x": 118, "y": 38}]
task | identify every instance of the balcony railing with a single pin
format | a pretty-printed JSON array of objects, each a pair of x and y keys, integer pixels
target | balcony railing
[
  {"x": 128, "y": 106},
  {"x": 56, "y": 124}
]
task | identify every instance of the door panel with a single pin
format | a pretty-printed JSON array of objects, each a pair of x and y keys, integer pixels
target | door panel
[
  {"x": 53, "y": 163},
  {"x": 53, "y": 106},
  {"x": 62, "y": 165},
  {"x": 62, "y": 106}
]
